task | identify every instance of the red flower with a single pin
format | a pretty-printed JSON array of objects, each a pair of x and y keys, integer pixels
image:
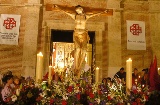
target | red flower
[
  {"x": 109, "y": 98},
  {"x": 120, "y": 104},
  {"x": 64, "y": 102},
  {"x": 87, "y": 92},
  {"x": 38, "y": 98},
  {"x": 134, "y": 103},
  {"x": 135, "y": 91},
  {"x": 77, "y": 84},
  {"x": 8, "y": 99},
  {"x": 141, "y": 93},
  {"x": 51, "y": 101},
  {"x": 78, "y": 96},
  {"x": 99, "y": 92},
  {"x": 91, "y": 95},
  {"x": 80, "y": 89},
  {"x": 69, "y": 89},
  {"x": 146, "y": 97},
  {"x": 138, "y": 100}
]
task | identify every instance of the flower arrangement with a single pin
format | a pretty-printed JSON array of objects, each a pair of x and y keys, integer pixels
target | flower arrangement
[
  {"x": 74, "y": 91},
  {"x": 82, "y": 91},
  {"x": 28, "y": 95},
  {"x": 138, "y": 94}
]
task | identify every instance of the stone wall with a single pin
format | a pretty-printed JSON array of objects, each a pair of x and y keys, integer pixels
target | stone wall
[
  {"x": 21, "y": 58},
  {"x": 141, "y": 11},
  {"x": 11, "y": 55}
]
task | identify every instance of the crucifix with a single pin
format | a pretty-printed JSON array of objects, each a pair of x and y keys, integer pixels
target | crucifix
[{"x": 80, "y": 15}]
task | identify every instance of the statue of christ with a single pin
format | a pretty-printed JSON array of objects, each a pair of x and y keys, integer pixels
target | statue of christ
[{"x": 80, "y": 35}]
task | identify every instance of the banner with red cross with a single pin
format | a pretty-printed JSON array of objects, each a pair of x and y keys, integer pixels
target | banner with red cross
[
  {"x": 9, "y": 29},
  {"x": 136, "y": 35}
]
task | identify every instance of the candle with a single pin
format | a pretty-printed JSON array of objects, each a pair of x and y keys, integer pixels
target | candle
[
  {"x": 142, "y": 86},
  {"x": 97, "y": 75},
  {"x": 159, "y": 71},
  {"x": 135, "y": 81},
  {"x": 50, "y": 75},
  {"x": 39, "y": 67},
  {"x": 128, "y": 74}
]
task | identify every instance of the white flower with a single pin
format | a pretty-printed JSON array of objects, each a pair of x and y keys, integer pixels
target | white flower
[
  {"x": 41, "y": 94},
  {"x": 138, "y": 89},
  {"x": 65, "y": 97},
  {"x": 17, "y": 92},
  {"x": 144, "y": 99},
  {"x": 76, "y": 89},
  {"x": 86, "y": 67},
  {"x": 98, "y": 100},
  {"x": 14, "y": 98},
  {"x": 114, "y": 87},
  {"x": 134, "y": 87},
  {"x": 94, "y": 88}
]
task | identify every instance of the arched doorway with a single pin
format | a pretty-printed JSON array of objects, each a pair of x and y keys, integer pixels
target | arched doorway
[{"x": 62, "y": 47}]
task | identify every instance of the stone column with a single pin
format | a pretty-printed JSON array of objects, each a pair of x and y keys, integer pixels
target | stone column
[
  {"x": 47, "y": 48},
  {"x": 105, "y": 52},
  {"x": 114, "y": 39},
  {"x": 30, "y": 41}
]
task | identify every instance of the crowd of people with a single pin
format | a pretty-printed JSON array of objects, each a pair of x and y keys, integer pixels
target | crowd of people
[
  {"x": 138, "y": 77},
  {"x": 10, "y": 87}
]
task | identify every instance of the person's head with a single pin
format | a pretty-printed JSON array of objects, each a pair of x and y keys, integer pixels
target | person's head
[
  {"x": 122, "y": 70},
  {"x": 135, "y": 71},
  {"x": 57, "y": 77},
  {"x": 109, "y": 80},
  {"x": 104, "y": 80},
  {"x": 22, "y": 80},
  {"x": 16, "y": 80},
  {"x": 79, "y": 9},
  {"x": 144, "y": 71},
  {"x": 8, "y": 79}
]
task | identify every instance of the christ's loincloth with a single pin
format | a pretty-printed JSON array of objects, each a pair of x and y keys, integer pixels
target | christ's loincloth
[{"x": 81, "y": 38}]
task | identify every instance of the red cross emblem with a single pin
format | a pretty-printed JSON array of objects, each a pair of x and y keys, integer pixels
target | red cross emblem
[
  {"x": 9, "y": 23},
  {"x": 135, "y": 29}
]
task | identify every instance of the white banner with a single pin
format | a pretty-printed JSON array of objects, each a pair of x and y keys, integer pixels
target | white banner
[
  {"x": 136, "y": 35},
  {"x": 9, "y": 29}
]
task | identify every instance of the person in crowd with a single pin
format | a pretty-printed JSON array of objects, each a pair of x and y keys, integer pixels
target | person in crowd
[
  {"x": 22, "y": 80},
  {"x": 135, "y": 76},
  {"x": 135, "y": 73},
  {"x": 104, "y": 81},
  {"x": 121, "y": 74},
  {"x": 56, "y": 78},
  {"x": 109, "y": 81},
  {"x": 9, "y": 89},
  {"x": 144, "y": 79},
  {"x": 16, "y": 82}
]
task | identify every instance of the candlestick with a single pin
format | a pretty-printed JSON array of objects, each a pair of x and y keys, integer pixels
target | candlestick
[
  {"x": 39, "y": 67},
  {"x": 128, "y": 74},
  {"x": 97, "y": 75},
  {"x": 50, "y": 75}
]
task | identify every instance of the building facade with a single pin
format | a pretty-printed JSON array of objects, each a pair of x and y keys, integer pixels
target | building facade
[{"x": 110, "y": 33}]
